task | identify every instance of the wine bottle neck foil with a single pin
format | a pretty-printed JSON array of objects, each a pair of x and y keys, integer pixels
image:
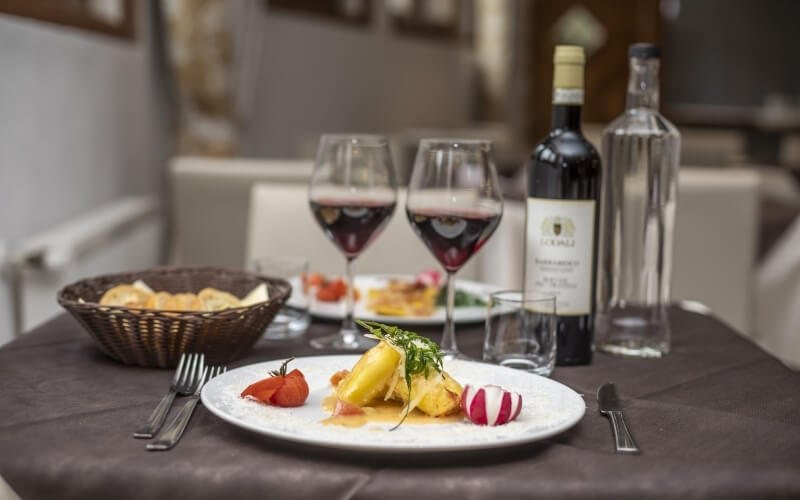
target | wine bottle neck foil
[{"x": 568, "y": 96}]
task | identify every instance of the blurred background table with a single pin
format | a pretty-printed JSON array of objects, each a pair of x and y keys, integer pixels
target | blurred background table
[{"x": 717, "y": 418}]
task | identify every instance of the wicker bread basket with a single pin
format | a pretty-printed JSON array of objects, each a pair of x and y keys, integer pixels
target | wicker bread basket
[{"x": 157, "y": 338}]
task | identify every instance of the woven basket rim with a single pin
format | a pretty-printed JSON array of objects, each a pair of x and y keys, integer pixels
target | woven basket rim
[{"x": 95, "y": 306}]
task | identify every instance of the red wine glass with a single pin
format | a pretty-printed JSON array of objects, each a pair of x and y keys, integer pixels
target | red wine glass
[
  {"x": 454, "y": 205},
  {"x": 352, "y": 193}
]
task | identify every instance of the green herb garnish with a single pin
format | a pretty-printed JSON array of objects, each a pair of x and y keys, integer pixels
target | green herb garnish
[
  {"x": 281, "y": 372},
  {"x": 460, "y": 299},
  {"x": 422, "y": 354}
]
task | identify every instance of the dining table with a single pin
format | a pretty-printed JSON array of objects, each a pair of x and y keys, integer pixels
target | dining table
[{"x": 715, "y": 418}]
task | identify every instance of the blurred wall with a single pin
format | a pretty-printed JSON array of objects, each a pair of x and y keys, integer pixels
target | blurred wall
[
  {"x": 733, "y": 52},
  {"x": 81, "y": 122},
  {"x": 320, "y": 76}
]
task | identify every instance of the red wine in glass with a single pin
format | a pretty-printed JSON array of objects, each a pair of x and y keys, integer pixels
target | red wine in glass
[
  {"x": 454, "y": 205},
  {"x": 453, "y": 236},
  {"x": 352, "y": 193},
  {"x": 351, "y": 224}
]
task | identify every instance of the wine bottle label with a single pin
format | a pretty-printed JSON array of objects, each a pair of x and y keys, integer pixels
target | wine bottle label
[{"x": 560, "y": 237}]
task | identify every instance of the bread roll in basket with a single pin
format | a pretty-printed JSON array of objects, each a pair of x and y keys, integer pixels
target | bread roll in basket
[{"x": 156, "y": 338}]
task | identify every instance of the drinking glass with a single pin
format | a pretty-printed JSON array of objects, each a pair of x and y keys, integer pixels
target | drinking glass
[
  {"x": 521, "y": 331},
  {"x": 352, "y": 193},
  {"x": 293, "y": 318},
  {"x": 454, "y": 205}
]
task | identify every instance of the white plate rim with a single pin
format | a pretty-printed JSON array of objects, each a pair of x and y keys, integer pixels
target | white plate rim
[
  {"x": 473, "y": 314},
  {"x": 349, "y": 360}
]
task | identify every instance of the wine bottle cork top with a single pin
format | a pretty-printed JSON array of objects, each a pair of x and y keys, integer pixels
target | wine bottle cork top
[
  {"x": 569, "y": 54},
  {"x": 568, "y": 61}
]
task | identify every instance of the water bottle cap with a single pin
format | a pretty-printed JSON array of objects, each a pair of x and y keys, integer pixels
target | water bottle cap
[{"x": 644, "y": 51}]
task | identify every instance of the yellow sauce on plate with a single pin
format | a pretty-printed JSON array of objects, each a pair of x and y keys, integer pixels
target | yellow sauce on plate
[{"x": 383, "y": 412}]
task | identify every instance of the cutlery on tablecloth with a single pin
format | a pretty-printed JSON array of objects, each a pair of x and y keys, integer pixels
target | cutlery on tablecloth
[
  {"x": 190, "y": 366},
  {"x": 609, "y": 405},
  {"x": 173, "y": 432}
]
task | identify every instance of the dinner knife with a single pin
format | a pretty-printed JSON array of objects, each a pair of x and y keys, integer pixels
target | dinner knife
[{"x": 609, "y": 405}]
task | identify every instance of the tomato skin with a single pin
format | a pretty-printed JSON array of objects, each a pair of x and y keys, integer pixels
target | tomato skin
[
  {"x": 263, "y": 389},
  {"x": 332, "y": 290},
  {"x": 280, "y": 390},
  {"x": 293, "y": 392},
  {"x": 327, "y": 294},
  {"x": 315, "y": 279},
  {"x": 340, "y": 287}
]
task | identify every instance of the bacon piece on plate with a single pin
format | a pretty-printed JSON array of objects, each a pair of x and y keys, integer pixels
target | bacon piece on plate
[
  {"x": 343, "y": 408},
  {"x": 337, "y": 377}
]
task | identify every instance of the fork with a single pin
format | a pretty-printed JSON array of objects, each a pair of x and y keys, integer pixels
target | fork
[
  {"x": 172, "y": 434},
  {"x": 186, "y": 375}
]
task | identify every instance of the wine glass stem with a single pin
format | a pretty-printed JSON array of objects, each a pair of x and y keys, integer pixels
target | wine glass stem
[
  {"x": 348, "y": 327},
  {"x": 449, "y": 335}
]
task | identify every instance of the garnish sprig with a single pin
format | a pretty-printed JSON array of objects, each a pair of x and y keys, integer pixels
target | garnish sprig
[
  {"x": 281, "y": 372},
  {"x": 421, "y": 354}
]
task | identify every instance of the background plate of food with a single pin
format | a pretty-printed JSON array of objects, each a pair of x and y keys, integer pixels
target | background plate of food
[{"x": 396, "y": 298}]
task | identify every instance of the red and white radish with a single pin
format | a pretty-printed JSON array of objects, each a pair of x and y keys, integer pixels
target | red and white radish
[
  {"x": 431, "y": 277},
  {"x": 490, "y": 404}
]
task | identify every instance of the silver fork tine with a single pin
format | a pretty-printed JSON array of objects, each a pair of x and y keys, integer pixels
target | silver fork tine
[
  {"x": 197, "y": 376},
  {"x": 193, "y": 375},
  {"x": 179, "y": 369},
  {"x": 186, "y": 370},
  {"x": 219, "y": 370},
  {"x": 186, "y": 382},
  {"x": 201, "y": 364},
  {"x": 156, "y": 419}
]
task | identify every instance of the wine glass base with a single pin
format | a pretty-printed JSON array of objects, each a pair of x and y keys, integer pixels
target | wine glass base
[{"x": 344, "y": 340}]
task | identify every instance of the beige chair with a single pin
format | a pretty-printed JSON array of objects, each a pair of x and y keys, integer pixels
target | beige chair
[
  {"x": 210, "y": 203},
  {"x": 500, "y": 260},
  {"x": 281, "y": 223},
  {"x": 6, "y": 493},
  {"x": 778, "y": 185},
  {"x": 716, "y": 236},
  {"x": 777, "y": 296}
]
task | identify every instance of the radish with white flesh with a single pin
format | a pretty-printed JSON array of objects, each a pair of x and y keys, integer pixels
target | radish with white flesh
[
  {"x": 490, "y": 404},
  {"x": 430, "y": 277}
]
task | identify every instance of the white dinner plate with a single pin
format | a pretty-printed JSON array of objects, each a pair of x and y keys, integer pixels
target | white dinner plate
[
  {"x": 335, "y": 310},
  {"x": 548, "y": 408}
]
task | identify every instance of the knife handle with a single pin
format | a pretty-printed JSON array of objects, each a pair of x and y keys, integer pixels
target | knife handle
[{"x": 623, "y": 441}]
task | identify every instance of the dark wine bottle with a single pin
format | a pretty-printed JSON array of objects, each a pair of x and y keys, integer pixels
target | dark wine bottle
[{"x": 562, "y": 214}]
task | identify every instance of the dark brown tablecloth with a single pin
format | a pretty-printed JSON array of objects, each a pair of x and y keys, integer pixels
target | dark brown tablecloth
[{"x": 717, "y": 418}]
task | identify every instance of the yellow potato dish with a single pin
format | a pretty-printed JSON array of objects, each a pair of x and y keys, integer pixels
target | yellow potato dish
[
  {"x": 403, "y": 367},
  {"x": 403, "y": 298}
]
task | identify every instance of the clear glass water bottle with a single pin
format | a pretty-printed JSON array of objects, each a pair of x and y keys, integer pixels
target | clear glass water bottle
[{"x": 641, "y": 151}]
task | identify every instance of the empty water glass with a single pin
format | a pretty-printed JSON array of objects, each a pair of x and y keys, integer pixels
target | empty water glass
[
  {"x": 294, "y": 318},
  {"x": 521, "y": 331}
]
